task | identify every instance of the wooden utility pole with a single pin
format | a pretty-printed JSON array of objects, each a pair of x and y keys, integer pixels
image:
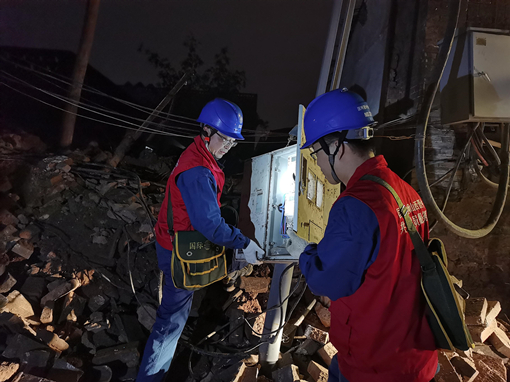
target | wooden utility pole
[
  {"x": 131, "y": 136},
  {"x": 80, "y": 68}
]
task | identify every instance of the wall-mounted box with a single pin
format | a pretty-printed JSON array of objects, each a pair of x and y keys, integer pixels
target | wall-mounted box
[
  {"x": 475, "y": 86},
  {"x": 286, "y": 190}
]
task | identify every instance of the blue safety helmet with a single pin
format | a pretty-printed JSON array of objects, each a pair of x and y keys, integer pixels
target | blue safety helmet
[
  {"x": 337, "y": 110},
  {"x": 224, "y": 116}
]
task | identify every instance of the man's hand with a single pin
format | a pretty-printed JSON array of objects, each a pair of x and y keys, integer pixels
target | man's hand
[
  {"x": 295, "y": 245},
  {"x": 252, "y": 253}
]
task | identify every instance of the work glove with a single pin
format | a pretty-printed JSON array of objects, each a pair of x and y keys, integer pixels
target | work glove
[
  {"x": 295, "y": 245},
  {"x": 252, "y": 253}
]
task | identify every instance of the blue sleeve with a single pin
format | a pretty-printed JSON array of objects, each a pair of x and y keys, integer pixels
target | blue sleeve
[
  {"x": 198, "y": 191},
  {"x": 336, "y": 266}
]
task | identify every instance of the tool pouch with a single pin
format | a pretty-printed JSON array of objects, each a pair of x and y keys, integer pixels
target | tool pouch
[{"x": 196, "y": 262}]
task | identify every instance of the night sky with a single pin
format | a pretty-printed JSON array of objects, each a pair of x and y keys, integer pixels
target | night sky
[{"x": 278, "y": 43}]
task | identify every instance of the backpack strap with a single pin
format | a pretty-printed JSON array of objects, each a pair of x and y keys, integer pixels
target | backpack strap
[{"x": 426, "y": 262}]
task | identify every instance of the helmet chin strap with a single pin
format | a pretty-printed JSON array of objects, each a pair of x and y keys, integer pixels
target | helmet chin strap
[
  {"x": 207, "y": 136},
  {"x": 331, "y": 157}
]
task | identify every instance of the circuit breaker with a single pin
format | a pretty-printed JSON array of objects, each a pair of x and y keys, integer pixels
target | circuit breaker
[{"x": 475, "y": 83}]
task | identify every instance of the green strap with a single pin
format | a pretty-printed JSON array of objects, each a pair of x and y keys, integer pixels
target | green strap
[{"x": 426, "y": 262}]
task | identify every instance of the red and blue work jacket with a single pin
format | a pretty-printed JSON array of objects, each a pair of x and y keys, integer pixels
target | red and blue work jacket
[{"x": 378, "y": 322}]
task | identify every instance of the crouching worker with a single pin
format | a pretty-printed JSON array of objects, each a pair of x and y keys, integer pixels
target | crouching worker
[
  {"x": 195, "y": 187},
  {"x": 366, "y": 262}
]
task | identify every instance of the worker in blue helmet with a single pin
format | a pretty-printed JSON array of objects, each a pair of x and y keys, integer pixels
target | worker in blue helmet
[
  {"x": 365, "y": 263},
  {"x": 194, "y": 191}
]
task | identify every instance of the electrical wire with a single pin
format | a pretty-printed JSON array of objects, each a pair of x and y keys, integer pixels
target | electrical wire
[
  {"x": 146, "y": 129},
  {"x": 90, "y": 89},
  {"x": 282, "y": 324},
  {"x": 90, "y": 118},
  {"x": 144, "y": 109},
  {"x": 85, "y": 107}
]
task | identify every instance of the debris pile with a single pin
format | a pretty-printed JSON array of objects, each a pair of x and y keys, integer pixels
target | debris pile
[
  {"x": 79, "y": 281},
  {"x": 79, "y": 285}
]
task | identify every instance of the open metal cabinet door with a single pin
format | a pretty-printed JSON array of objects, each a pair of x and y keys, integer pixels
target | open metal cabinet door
[{"x": 315, "y": 195}]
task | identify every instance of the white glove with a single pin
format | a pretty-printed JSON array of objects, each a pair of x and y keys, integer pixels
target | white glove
[
  {"x": 253, "y": 253},
  {"x": 295, "y": 245}
]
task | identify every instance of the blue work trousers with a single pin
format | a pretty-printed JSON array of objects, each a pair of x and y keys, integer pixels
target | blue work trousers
[
  {"x": 334, "y": 372},
  {"x": 171, "y": 317}
]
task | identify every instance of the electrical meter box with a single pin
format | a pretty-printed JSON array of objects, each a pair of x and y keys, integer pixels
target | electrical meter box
[
  {"x": 475, "y": 83},
  {"x": 286, "y": 190}
]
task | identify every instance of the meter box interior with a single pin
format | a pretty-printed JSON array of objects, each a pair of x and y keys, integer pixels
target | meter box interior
[
  {"x": 475, "y": 83},
  {"x": 287, "y": 190}
]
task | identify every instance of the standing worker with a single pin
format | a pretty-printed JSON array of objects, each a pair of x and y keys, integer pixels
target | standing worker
[
  {"x": 366, "y": 262},
  {"x": 194, "y": 189}
]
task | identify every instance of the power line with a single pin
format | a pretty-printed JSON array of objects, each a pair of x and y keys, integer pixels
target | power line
[
  {"x": 146, "y": 129},
  {"x": 138, "y": 107},
  {"x": 90, "y": 118},
  {"x": 82, "y": 105}
]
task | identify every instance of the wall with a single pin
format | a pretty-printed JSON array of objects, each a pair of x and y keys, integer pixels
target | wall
[{"x": 483, "y": 264}]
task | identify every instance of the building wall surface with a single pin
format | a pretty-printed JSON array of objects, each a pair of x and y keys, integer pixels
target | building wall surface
[{"x": 483, "y": 264}]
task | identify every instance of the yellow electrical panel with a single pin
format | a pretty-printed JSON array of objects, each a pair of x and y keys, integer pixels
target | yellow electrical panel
[{"x": 315, "y": 195}]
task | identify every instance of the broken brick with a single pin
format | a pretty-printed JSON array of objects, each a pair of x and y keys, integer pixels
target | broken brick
[
  {"x": 101, "y": 373},
  {"x": 491, "y": 369},
  {"x": 465, "y": 367},
  {"x": 6, "y": 218},
  {"x": 63, "y": 371},
  {"x": 56, "y": 179},
  {"x": 250, "y": 374},
  {"x": 7, "y": 284},
  {"x": 52, "y": 340},
  {"x": 47, "y": 315},
  {"x": 255, "y": 284},
  {"x": 285, "y": 360},
  {"x": 25, "y": 234},
  {"x": 484, "y": 350},
  {"x": 96, "y": 323},
  {"x": 327, "y": 352},
  {"x": 23, "y": 377},
  {"x": 317, "y": 372},
  {"x": 36, "y": 360},
  {"x": 18, "y": 344},
  {"x": 33, "y": 289},
  {"x": 446, "y": 372},
  {"x": 13, "y": 323},
  {"x": 493, "y": 309},
  {"x": 8, "y": 231},
  {"x": 316, "y": 334},
  {"x": 308, "y": 347},
  {"x": 18, "y": 305},
  {"x": 103, "y": 340},
  {"x": 7, "y": 370},
  {"x": 500, "y": 341},
  {"x": 289, "y": 373},
  {"x": 324, "y": 314},
  {"x": 60, "y": 291},
  {"x": 23, "y": 248},
  {"x": 476, "y": 310},
  {"x": 23, "y": 219},
  {"x": 63, "y": 166},
  {"x": 480, "y": 333},
  {"x": 73, "y": 307},
  {"x": 126, "y": 353}
]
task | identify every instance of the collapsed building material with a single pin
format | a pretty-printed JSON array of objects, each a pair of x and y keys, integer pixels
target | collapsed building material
[{"x": 327, "y": 352}]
